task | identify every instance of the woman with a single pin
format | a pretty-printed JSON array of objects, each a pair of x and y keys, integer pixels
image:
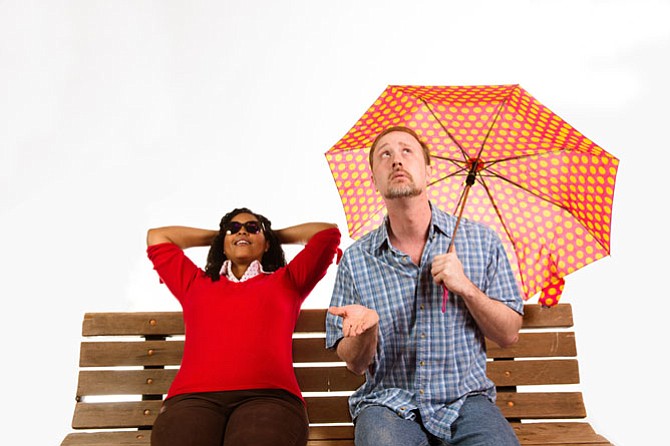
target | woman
[{"x": 236, "y": 384}]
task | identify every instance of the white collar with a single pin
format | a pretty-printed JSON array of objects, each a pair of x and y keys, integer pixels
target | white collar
[{"x": 252, "y": 271}]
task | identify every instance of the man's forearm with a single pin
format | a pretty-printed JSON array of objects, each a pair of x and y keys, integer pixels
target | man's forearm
[{"x": 359, "y": 351}]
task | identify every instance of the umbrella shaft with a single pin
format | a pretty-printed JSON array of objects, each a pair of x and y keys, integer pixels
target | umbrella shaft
[{"x": 460, "y": 214}]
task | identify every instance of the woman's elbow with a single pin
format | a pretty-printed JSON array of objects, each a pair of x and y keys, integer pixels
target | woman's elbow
[
  {"x": 150, "y": 236},
  {"x": 155, "y": 236}
]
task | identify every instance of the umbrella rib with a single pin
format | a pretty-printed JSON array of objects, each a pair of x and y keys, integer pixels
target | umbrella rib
[
  {"x": 488, "y": 132},
  {"x": 515, "y": 184},
  {"x": 500, "y": 160},
  {"x": 463, "y": 152},
  {"x": 535, "y": 194},
  {"x": 502, "y": 223}
]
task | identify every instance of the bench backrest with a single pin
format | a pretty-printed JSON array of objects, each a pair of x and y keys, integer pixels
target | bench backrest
[{"x": 128, "y": 360}]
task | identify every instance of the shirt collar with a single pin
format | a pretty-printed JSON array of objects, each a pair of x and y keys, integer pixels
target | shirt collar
[
  {"x": 252, "y": 271},
  {"x": 440, "y": 221}
]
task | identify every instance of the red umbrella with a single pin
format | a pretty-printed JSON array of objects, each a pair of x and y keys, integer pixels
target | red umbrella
[{"x": 542, "y": 185}]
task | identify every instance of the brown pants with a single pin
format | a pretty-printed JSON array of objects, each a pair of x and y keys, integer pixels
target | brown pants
[{"x": 262, "y": 417}]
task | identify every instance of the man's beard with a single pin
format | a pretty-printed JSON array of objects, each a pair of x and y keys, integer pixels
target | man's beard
[{"x": 402, "y": 191}]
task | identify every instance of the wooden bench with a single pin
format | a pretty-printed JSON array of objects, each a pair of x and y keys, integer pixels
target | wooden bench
[{"x": 128, "y": 360}]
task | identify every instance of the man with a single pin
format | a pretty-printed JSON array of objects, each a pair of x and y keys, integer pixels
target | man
[{"x": 425, "y": 370}]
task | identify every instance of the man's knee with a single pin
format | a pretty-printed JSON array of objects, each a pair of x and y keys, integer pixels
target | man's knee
[{"x": 378, "y": 425}]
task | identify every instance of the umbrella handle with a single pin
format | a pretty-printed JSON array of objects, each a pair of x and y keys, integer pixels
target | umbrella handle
[{"x": 470, "y": 180}]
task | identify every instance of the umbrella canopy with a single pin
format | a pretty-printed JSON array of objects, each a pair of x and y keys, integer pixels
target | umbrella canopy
[{"x": 543, "y": 186}]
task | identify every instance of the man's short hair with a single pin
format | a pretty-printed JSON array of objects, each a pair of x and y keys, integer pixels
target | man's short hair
[{"x": 399, "y": 128}]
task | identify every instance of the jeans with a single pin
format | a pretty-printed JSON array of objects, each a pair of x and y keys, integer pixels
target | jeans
[{"x": 479, "y": 423}]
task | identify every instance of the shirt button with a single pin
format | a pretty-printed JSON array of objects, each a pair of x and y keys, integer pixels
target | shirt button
[
  {"x": 421, "y": 363},
  {"x": 423, "y": 335},
  {"x": 421, "y": 307},
  {"x": 421, "y": 391}
]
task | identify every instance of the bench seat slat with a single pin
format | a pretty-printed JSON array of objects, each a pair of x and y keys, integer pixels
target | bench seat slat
[
  {"x": 157, "y": 381},
  {"x": 125, "y": 382},
  {"x": 153, "y": 323},
  {"x": 332, "y": 409},
  {"x": 541, "y": 405},
  {"x": 327, "y": 379},
  {"x": 558, "y": 433},
  {"x": 310, "y": 320},
  {"x": 115, "y": 415},
  {"x": 313, "y": 350},
  {"x": 125, "y": 438},
  {"x": 323, "y": 379},
  {"x": 530, "y": 434},
  {"x": 537, "y": 316},
  {"x": 115, "y": 353},
  {"x": 535, "y": 345},
  {"x": 156, "y": 353},
  {"x": 533, "y": 372}
]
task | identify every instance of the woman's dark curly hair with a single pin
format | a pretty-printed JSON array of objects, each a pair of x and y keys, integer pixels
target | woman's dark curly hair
[{"x": 272, "y": 260}]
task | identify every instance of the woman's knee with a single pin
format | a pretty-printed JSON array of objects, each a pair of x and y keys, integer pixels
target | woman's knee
[
  {"x": 268, "y": 421},
  {"x": 187, "y": 424}
]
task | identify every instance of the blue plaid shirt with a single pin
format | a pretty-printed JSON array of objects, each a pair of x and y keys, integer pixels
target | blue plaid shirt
[{"x": 426, "y": 361}]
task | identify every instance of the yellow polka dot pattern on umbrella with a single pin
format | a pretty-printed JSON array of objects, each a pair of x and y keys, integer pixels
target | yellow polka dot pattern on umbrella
[{"x": 544, "y": 187}]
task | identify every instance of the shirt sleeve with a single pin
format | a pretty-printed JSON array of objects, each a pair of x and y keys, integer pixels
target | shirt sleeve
[
  {"x": 502, "y": 282},
  {"x": 310, "y": 265},
  {"x": 176, "y": 270}
]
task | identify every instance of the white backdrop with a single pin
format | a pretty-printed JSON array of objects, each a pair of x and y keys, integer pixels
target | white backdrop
[{"x": 118, "y": 116}]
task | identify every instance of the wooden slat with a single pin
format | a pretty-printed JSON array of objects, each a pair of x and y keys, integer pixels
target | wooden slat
[
  {"x": 115, "y": 415},
  {"x": 318, "y": 435},
  {"x": 322, "y": 379},
  {"x": 529, "y": 434},
  {"x": 541, "y": 405},
  {"x": 155, "y": 353},
  {"x": 537, "y": 316},
  {"x": 137, "y": 323},
  {"x": 535, "y": 345},
  {"x": 109, "y": 354},
  {"x": 331, "y": 432},
  {"x": 125, "y": 438},
  {"x": 313, "y": 350},
  {"x": 328, "y": 409},
  {"x": 327, "y": 379},
  {"x": 349, "y": 442},
  {"x": 557, "y": 434},
  {"x": 533, "y": 372},
  {"x": 157, "y": 381},
  {"x": 125, "y": 382},
  {"x": 310, "y": 320}
]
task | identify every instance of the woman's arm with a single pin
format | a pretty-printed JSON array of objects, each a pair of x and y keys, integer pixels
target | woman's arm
[
  {"x": 182, "y": 236},
  {"x": 302, "y": 233}
]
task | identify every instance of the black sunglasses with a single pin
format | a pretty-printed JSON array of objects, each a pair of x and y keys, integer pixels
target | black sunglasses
[{"x": 252, "y": 227}]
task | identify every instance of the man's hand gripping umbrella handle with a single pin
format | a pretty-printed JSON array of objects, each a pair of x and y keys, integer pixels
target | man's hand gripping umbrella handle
[{"x": 469, "y": 181}]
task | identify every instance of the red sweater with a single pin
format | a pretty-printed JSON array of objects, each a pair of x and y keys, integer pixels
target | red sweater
[{"x": 239, "y": 335}]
